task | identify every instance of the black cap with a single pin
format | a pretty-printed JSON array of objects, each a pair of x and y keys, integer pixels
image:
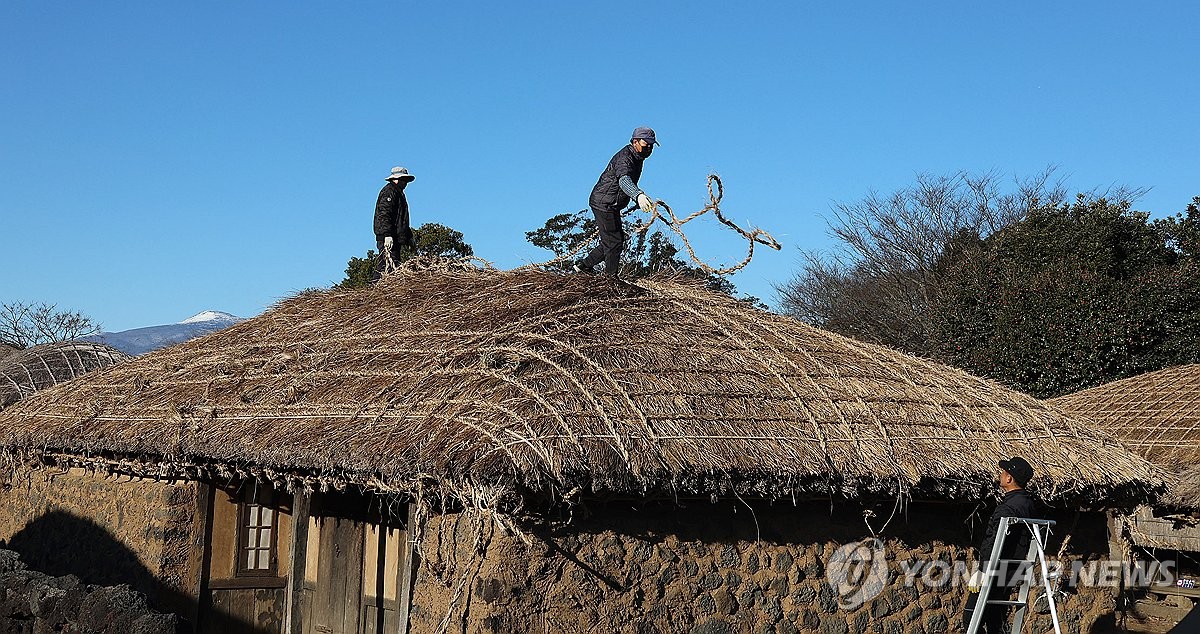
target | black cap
[
  {"x": 646, "y": 134},
  {"x": 1018, "y": 469}
]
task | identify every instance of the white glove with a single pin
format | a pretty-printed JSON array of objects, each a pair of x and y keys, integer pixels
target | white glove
[
  {"x": 387, "y": 244},
  {"x": 975, "y": 581},
  {"x": 645, "y": 203}
]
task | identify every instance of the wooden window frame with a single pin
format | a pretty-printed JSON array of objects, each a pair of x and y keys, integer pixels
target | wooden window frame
[{"x": 240, "y": 568}]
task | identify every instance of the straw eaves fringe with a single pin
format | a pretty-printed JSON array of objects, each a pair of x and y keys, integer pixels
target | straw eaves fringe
[
  {"x": 1186, "y": 492},
  {"x": 452, "y": 379}
]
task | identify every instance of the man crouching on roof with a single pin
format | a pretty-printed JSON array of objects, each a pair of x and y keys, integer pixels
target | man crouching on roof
[{"x": 1013, "y": 475}]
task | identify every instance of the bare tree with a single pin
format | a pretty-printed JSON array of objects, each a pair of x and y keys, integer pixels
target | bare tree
[
  {"x": 876, "y": 284},
  {"x": 23, "y": 325}
]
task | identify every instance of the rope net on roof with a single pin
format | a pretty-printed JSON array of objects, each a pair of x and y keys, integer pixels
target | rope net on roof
[
  {"x": 535, "y": 381},
  {"x": 1156, "y": 414},
  {"x": 24, "y": 372}
]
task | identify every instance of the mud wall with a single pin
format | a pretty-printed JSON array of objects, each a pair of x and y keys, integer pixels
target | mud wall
[
  {"x": 108, "y": 531},
  {"x": 709, "y": 568}
]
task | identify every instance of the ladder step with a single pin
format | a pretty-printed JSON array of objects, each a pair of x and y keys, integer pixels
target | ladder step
[{"x": 999, "y": 602}]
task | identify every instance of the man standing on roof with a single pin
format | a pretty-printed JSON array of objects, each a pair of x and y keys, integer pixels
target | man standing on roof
[
  {"x": 1014, "y": 474},
  {"x": 392, "y": 229},
  {"x": 618, "y": 184}
]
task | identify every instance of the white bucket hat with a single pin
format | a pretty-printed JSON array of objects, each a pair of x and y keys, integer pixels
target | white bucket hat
[{"x": 401, "y": 173}]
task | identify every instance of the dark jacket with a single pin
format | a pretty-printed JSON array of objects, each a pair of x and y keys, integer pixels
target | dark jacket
[
  {"x": 607, "y": 194},
  {"x": 391, "y": 214},
  {"x": 1017, "y": 503}
]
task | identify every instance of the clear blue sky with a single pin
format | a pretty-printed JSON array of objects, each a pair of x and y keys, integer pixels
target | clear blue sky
[{"x": 162, "y": 158}]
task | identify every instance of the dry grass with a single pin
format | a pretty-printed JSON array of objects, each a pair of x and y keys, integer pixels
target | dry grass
[
  {"x": 26, "y": 371},
  {"x": 543, "y": 384}
]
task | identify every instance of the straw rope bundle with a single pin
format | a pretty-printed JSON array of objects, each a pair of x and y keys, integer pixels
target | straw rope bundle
[
  {"x": 552, "y": 386},
  {"x": 1157, "y": 415},
  {"x": 24, "y": 372}
]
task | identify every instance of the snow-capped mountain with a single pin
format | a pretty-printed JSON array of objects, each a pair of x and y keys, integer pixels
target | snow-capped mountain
[{"x": 142, "y": 340}]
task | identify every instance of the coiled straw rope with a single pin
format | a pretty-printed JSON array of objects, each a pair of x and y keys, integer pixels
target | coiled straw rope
[{"x": 662, "y": 211}]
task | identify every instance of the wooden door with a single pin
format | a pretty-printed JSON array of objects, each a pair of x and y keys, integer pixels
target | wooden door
[
  {"x": 383, "y": 582},
  {"x": 338, "y": 594},
  {"x": 243, "y": 580}
]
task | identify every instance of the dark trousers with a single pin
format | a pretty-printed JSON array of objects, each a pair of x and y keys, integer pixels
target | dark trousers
[
  {"x": 995, "y": 617},
  {"x": 612, "y": 241}
]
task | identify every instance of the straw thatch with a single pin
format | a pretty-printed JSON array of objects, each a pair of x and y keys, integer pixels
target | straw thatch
[
  {"x": 6, "y": 350},
  {"x": 1155, "y": 414},
  {"x": 1186, "y": 493},
  {"x": 545, "y": 384},
  {"x": 27, "y": 371}
]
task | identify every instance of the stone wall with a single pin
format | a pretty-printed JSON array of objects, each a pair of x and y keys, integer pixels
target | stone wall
[
  {"x": 32, "y": 602},
  {"x": 109, "y": 531},
  {"x": 709, "y": 569}
]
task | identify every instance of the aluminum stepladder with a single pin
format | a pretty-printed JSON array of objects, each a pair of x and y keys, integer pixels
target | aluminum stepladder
[{"x": 1039, "y": 532}]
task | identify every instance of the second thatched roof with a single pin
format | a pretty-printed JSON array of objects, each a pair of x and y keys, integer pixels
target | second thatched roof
[
  {"x": 1157, "y": 415},
  {"x": 539, "y": 383},
  {"x": 24, "y": 372}
]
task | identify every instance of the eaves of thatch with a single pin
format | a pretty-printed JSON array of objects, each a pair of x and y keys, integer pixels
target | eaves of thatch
[
  {"x": 545, "y": 385},
  {"x": 43, "y": 366}
]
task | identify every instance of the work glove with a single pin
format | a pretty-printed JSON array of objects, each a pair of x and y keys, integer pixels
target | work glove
[
  {"x": 387, "y": 244},
  {"x": 975, "y": 582},
  {"x": 645, "y": 203}
]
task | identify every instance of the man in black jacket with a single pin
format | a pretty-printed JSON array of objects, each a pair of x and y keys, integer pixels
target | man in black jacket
[
  {"x": 392, "y": 229},
  {"x": 1014, "y": 474},
  {"x": 618, "y": 184}
]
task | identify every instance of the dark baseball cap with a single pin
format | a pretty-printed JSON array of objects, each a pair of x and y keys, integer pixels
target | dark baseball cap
[
  {"x": 644, "y": 133},
  {"x": 1019, "y": 469}
]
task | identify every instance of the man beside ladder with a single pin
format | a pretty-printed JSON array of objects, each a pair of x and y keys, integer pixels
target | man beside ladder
[{"x": 1014, "y": 474}]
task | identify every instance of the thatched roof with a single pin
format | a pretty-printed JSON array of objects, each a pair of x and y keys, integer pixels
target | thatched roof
[
  {"x": 1156, "y": 414},
  {"x": 528, "y": 381},
  {"x": 6, "y": 350},
  {"x": 26, "y": 371}
]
